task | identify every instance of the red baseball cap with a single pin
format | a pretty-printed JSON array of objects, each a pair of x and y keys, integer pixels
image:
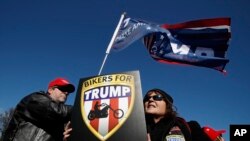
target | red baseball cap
[
  {"x": 213, "y": 134},
  {"x": 63, "y": 84}
]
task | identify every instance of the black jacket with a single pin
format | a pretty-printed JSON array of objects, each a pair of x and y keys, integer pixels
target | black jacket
[
  {"x": 38, "y": 118},
  {"x": 159, "y": 130}
]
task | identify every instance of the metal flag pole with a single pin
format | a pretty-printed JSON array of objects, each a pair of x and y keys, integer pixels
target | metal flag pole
[{"x": 111, "y": 42}]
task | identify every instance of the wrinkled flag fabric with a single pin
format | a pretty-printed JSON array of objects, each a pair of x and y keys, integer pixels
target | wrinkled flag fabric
[
  {"x": 201, "y": 43},
  {"x": 131, "y": 30}
]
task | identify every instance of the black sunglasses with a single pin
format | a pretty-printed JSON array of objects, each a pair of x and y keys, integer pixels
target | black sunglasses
[{"x": 155, "y": 97}]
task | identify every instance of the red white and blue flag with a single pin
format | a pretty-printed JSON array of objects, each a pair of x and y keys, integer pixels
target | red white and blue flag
[{"x": 201, "y": 43}]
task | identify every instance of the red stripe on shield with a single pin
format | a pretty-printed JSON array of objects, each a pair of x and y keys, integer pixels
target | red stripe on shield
[
  {"x": 95, "y": 123},
  {"x": 112, "y": 120}
]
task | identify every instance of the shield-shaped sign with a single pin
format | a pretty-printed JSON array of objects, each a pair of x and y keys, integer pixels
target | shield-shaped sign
[{"x": 106, "y": 103}]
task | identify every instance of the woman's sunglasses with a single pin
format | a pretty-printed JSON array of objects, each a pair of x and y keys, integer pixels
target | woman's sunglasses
[{"x": 155, "y": 97}]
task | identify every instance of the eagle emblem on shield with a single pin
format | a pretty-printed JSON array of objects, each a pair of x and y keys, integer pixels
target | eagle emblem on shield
[{"x": 106, "y": 103}]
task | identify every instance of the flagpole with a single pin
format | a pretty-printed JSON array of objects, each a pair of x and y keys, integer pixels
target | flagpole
[{"x": 111, "y": 42}]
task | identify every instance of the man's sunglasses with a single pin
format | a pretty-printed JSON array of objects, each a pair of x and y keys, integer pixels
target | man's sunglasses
[
  {"x": 63, "y": 89},
  {"x": 155, "y": 97}
]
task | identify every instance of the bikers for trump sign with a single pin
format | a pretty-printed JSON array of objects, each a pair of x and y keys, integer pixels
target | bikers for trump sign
[{"x": 109, "y": 108}]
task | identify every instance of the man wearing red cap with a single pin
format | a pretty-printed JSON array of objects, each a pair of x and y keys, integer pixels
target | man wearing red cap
[
  {"x": 214, "y": 135},
  {"x": 41, "y": 116}
]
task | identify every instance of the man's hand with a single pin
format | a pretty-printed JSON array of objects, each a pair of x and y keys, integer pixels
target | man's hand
[{"x": 67, "y": 130}]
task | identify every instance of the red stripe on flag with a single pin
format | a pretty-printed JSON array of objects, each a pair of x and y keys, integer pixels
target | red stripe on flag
[
  {"x": 112, "y": 120},
  {"x": 199, "y": 23},
  {"x": 95, "y": 123}
]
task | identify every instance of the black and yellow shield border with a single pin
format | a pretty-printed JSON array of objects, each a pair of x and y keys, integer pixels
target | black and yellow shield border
[{"x": 126, "y": 80}]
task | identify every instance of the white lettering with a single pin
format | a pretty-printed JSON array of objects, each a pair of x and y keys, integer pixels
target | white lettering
[
  {"x": 104, "y": 92},
  {"x": 125, "y": 91},
  {"x": 243, "y": 131},
  {"x": 201, "y": 51},
  {"x": 87, "y": 94},
  {"x": 107, "y": 92},
  {"x": 126, "y": 21},
  {"x": 239, "y": 132},
  {"x": 95, "y": 94},
  {"x": 115, "y": 91},
  {"x": 129, "y": 31},
  {"x": 179, "y": 48}
]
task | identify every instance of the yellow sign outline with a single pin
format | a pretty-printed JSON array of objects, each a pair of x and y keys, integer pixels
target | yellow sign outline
[{"x": 112, "y": 82}]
